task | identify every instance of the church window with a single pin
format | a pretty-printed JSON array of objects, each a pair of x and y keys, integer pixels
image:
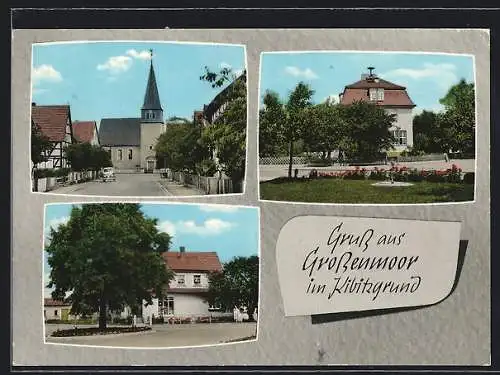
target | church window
[
  {"x": 197, "y": 279},
  {"x": 120, "y": 155},
  {"x": 150, "y": 147},
  {"x": 129, "y": 154}
]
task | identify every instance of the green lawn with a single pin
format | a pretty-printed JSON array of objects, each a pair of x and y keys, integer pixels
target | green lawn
[{"x": 362, "y": 191}]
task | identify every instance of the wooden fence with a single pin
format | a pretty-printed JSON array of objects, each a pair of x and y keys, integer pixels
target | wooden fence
[{"x": 208, "y": 185}]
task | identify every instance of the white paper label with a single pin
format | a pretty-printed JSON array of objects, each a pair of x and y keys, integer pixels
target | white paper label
[{"x": 342, "y": 264}]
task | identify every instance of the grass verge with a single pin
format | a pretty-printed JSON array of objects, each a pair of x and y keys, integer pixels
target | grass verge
[{"x": 362, "y": 191}]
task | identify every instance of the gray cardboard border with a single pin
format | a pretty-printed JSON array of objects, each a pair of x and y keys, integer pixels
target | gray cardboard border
[{"x": 455, "y": 332}]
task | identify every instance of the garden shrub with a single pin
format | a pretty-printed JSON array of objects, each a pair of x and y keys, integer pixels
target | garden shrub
[
  {"x": 469, "y": 178},
  {"x": 436, "y": 176},
  {"x": 378, "y": 175}
]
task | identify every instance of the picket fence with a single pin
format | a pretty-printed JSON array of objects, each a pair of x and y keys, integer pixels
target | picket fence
[{"x": 208, "y": 185}]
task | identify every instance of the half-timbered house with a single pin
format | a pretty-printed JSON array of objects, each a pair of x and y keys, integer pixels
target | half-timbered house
[{"x": 54, "y": 122}]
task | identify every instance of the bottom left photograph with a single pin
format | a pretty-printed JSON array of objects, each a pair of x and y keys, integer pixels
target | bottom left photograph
[{"x": 157, "y": 275}]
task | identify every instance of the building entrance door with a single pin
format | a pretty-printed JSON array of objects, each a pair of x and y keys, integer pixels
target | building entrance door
[{"x": 150, "y": 166}]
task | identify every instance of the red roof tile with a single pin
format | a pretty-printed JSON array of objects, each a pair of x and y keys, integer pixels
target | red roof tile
[
  {"x": 375, "y": 82},
  {"x": 52, "y": 120},
  {"x": 192, "y": 261},
  {"x": 394, "y": 98},
  {"x": 54, "y": 302},
  {"x": 394, "y": 95},
  {"x": 84, "y": 131}
]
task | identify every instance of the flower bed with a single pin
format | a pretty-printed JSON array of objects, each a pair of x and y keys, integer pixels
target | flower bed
[
  {"x": 96, "y": 331},
  {"x": 403, "y": 174}
]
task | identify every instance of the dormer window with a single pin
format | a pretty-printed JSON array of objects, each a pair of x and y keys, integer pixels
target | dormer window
[{"x": 376, "y": 94}]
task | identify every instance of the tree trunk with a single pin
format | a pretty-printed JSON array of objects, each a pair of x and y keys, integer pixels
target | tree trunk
[
  {"x": 102, "y": 314},
  {"x": 290, "y": 163}
]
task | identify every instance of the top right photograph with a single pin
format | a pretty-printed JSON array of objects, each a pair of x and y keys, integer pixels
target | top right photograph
[{"x": 367, "y": 127}]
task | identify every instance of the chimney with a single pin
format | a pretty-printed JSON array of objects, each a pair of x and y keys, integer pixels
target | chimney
[{"x": 182, "y": 249}]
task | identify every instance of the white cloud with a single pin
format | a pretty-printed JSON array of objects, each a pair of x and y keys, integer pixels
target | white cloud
[
  {"x": 218, "y": 208},
  {"x": 209, "y": 227},
  {"x": 116, "y": 64},
  {"x": 224, "y": 65},
  {"x": 238, "y": 72},
  {"x": 167, "y": 226},
  {"x": 142, "y": 55},
  {"x": 334, "y": 98},
  {"x": 45, "y": 73},
  {"x": 306, "y": 73},
  {"x": 54, "y": 224},
  {"x": 444, "y": 74}
]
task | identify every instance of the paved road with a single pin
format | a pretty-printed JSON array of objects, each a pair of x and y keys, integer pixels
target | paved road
[
  {"x": 166, "y": 335},
  {"x": 126, "y": 185},
  {"x": 269, "y": 172}
]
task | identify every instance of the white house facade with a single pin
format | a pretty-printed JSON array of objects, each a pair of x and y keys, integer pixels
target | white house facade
[{"x": 186, "y": 294}]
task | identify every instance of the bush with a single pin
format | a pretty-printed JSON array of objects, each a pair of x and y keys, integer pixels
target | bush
[
  {"x": 127, "y": 321},
  {"x": 357, "y": 174},
  {"x": 378, "y": 174},
  {"x": 435, "y": 176},
  {"x": 158, "y": 320},
  {"x": 315, "y": 161},
  {"x": 469, "y": 178},
  {"x": 48, "y": 172}
]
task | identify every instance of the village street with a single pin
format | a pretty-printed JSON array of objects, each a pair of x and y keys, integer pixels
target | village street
[
  {"x": 129, "y": 185},
  {"x": 164, "y": 335},
  {"x": 269, "y": 172}
]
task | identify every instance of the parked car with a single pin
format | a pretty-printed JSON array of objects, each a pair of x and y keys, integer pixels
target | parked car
[{"x": 108, "y": 174}]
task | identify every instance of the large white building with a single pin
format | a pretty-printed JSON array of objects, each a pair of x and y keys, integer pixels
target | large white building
[
  {"x": 390, "y": 96},
  {"x": 186, "y": 294}
]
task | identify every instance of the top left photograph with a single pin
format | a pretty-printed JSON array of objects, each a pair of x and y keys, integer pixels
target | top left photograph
[{"x": 138, "y": 119}]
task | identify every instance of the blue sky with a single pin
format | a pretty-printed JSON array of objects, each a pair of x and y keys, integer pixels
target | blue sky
[
  {"x": 229, "y": 230},
  {"x": 427, "y": 77},
  {"x": 108, "y": 79}
]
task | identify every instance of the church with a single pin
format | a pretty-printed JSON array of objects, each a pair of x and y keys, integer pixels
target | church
[{"x": 131, "y": 141}]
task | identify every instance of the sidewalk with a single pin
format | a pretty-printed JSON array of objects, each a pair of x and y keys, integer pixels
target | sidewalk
[{"x": 176, "y": 189}]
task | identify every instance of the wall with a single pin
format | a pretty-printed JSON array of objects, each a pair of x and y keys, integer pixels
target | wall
[
  {"x": 125, "y": 163},
  {"x": 189, "y": 280},
  {"x": 189, "y": 305},
  {"x": 404, "y": 120},
  {"x": 50, "y": 311},
  {"x": 149, "y": 136}
]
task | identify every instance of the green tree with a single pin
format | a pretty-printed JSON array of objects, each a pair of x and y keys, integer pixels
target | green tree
[
  {"x": 107, "y": 256},
  {"x": 84, "y": 156},
  {"x": 459, "y": 116},
  {"x": 236, "y": 285},
  {"x": 327, "y": 128},
  {"x": 271, "y": 121},
  {"x": 40, "y": 148},
  {"x": 226, "y": 136},
  {"x": 367, "y": 129},
  {"x": 296, "y": 118},
  {"x": 285, "y": 122},
  {"x": 428, "y": 134},
  {"x": 180, "y": 147}
]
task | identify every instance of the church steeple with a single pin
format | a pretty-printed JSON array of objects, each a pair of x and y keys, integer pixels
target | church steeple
[{"x": 151, "y": 110}]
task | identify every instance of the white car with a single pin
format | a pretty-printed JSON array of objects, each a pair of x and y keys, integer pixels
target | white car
[{"x": 108, "y": 174}]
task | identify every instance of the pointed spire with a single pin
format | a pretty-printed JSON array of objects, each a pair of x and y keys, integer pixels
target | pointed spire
[{"x": 151, "y": 98}]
